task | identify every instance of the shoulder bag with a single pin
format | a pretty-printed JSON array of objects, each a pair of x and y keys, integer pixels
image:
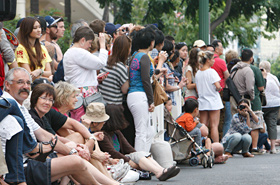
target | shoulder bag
[{"x": 160, "y": 95}]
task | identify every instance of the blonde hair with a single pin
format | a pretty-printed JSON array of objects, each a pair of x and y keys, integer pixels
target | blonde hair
[
  {"x": 265, "y": 65},
  {"x": 231, "y": 54},
  {"x": 204, "y": 55},
  {"x": 63, "y": 92}
]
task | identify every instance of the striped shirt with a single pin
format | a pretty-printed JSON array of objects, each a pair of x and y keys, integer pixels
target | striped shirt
[{"x": 111, "y": 86}]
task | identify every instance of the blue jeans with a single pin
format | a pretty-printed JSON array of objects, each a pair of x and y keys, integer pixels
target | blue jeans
[
  {"x": 263, "y": 141},
  {"x": 197, "y": 135},
  {"x": 228, "y": 118},
  {"x": 19, "y": 144},
  {"x": 236, "y": 142}
]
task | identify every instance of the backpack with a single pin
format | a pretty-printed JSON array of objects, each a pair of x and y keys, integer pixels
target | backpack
[{"x": 232, "y": 90}]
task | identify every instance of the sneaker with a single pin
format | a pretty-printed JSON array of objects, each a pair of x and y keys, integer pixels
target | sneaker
[
  {"x": 120, "y": 172},
  {"x": 274, "y": 151},
  {"x": 131, "y": 176},
  {"x": 256, "y": 152}
]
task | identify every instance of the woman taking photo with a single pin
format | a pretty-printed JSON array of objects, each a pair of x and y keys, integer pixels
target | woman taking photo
[
  {"x": 209, "y": 99},
  {"x": 183, "y": 50},
  {"x": 80, "y": 65},
  {"x": 30, "y": 54},
  {"x": 237, "y": 137}
]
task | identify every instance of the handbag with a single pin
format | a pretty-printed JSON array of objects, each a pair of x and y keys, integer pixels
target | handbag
[
  {"x": 263, "y": 98},
  {"x": 226, "y": 94},
  {"x": 160, "y": 95},
  {"x": 96, "y": 97}
]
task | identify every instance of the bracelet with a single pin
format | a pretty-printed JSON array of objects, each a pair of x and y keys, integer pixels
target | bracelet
[
  {"x": 178, "y": 87},
  {"x": 42, "y": 72},
  {"x": 73, "y": 151},
  {"x": 92, "y": 137}
]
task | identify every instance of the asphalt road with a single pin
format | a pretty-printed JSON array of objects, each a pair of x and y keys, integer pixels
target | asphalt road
[{"x": 260, "y": 170}]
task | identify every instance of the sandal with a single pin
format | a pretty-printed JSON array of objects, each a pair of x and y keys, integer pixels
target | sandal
[
  {"x": 42, "y": 156},
  {"x": 247, "y": 154},
  {"x": 170, "y": 172}
]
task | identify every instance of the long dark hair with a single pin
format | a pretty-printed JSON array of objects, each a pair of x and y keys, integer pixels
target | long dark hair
[
  {"x": 120, "y": 51},
  {"x": 193, "y": 61},
  {"x": 26, "y": 27}
]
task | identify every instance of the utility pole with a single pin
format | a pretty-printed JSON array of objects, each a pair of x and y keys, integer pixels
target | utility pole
[
  {"x": 67, "y": 10},
  {"x": 204, "y": 20}
]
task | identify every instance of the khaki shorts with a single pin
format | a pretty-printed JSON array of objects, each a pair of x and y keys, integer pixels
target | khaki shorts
[
  {"x": 3, "y": 166},
  {"x": 258, "y": 125},
  {"x": 136, "y": 156}
]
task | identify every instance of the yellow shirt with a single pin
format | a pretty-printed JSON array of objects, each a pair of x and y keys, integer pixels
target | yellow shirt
[{"x": 23, "y": 58}]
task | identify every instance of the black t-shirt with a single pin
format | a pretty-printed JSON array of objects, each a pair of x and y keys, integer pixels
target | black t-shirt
[{"x": 51, "y": 122}]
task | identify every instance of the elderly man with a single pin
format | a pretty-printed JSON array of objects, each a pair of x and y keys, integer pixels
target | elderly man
[{"x": 17, "y": 87}]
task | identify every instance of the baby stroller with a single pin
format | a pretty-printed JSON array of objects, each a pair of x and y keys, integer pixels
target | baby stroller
[{"x": 182, "y": 146}]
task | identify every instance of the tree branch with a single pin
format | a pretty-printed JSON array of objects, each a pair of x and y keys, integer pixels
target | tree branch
[{"x": 221, "y": 19}]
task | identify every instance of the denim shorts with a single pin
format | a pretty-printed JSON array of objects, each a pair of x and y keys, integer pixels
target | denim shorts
[{"x": 39, "y": 173}]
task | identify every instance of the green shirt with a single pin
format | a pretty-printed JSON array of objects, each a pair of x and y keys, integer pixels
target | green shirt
[{"x": 259, "y": 82}]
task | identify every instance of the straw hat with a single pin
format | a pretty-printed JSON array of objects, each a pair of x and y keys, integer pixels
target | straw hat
[{"x": 96, "y": 112}]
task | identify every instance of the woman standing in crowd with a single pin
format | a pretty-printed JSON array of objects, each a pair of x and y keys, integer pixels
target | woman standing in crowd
[
  {"x": 190, "y": 73},
  {"x": 183, "y": 50},
  {"x": 30, "y": 54},
  {"x": 171, "y": 62},
  {"x": 271, "y": 110},
  {"x": 209, "y": 99},
  {"x": 238, "y": 138},
  {"x": 80, "y": 65},
  {"x": 116, "y": 84},
  {"x": 140, "y": 94}
]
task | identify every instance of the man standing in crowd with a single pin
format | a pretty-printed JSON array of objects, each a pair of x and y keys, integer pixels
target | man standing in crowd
[{"x": 221, "y": 68}]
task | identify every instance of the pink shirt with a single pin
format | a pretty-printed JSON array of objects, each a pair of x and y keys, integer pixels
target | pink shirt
[{"x": 220, "y": 66}]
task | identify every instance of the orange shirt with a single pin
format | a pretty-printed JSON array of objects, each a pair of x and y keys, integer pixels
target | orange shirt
[{"x": 186, "y": 121}]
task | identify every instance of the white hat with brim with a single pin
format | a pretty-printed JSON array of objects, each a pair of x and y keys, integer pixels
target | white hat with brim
[
  {"x": 95, "y": 112},
  {"x": 199, "y": 43}
]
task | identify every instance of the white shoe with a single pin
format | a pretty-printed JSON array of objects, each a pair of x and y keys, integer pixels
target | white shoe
[
  {"x": 131, "y": 176},
  {"x": 120, "y": 172}
]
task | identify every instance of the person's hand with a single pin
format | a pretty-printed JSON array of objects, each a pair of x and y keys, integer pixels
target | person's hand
[
  {"x": 83, "y": 151},
  {"x": 184, "y": 82},
  {"x": 113, "y": 161},
  {"x": 102, "y": 40},
  {"x": 176, "y": 79},
  {"x": 36, "y": 73},
  {"x": 162, "y": 56},
  {"x": 50, "y": 78},
  {"x": 99, "y": 136},
  {"x": 168, "y": 76},
  {"x": 102, "y": 157},
  {"x": 264, "y": 73},
  {"x": 151, "y": 107},
  {"x": 102, "y": 76}
]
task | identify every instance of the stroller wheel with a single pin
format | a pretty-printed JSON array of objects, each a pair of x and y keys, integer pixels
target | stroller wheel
[
  {"x": 193, "y": 161},
  {"x": 210, "y": 162},
  {"x": 204, "y": 162}
]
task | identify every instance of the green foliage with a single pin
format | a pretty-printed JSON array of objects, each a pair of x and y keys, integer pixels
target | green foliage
[
  {"x": 124, "y": 14},
  {"x": 275, "y": 67},
  {"x": 64, "y": 42}
]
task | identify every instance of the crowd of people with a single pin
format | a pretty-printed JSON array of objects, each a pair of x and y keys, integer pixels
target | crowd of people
[{"x": 85, "y": 116}]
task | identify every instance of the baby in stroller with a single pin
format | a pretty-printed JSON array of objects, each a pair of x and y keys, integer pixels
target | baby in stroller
[{"x": 180, "y": 136}]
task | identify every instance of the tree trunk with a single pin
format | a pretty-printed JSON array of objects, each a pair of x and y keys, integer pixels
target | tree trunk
[
  {"x": 220, "y": 19},
  {"x": 34, "y": 7},
  {"x": 67, "y": 10},
  {"x": 106, "y": 13}
]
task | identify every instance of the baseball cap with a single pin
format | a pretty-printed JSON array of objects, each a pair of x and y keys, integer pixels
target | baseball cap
[
  {"x": 110, "y": 28},
  {"x": 199, "y": 43},
  {"x": 51, "y": 21}
]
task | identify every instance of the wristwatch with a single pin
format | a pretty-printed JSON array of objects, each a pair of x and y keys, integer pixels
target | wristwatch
[
  {"x": 73, "y": 151},
  {"x": 92, "y": 137}
]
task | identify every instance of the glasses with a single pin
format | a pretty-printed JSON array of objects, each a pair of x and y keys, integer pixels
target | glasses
[
  {"x": 46, "y": 99},
  {"x": 21, "y": 82}
]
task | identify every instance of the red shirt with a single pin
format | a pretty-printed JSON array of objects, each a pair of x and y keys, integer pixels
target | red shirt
[
  {"x": 186, "y": 121},
  {"x": 220, "y": 66}
]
